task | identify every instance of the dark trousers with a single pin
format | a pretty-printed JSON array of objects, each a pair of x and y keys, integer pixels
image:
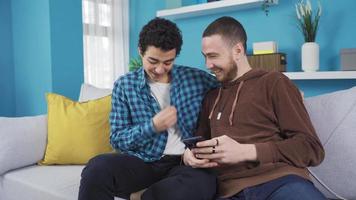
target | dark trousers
[
  {"x": 289, "y": 187},
  {"x": 109, "y": 175}
]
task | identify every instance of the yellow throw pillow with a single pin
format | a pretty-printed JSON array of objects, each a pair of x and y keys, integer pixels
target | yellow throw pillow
[{"x": 76, "y": 131}]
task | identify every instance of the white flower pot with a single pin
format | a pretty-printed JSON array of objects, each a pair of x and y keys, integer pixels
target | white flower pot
[{"x": 310, "y": 57}]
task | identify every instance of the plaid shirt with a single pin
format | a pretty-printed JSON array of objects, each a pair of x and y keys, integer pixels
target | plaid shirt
[{"x": 133, "y": 108}]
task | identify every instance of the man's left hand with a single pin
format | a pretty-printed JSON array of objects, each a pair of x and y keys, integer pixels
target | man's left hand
[{"x": 225, "y": 150}]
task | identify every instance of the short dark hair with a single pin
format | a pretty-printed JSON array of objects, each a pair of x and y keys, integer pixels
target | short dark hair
[
  {"x": 229, "y": 29},
  {"x": 162, "y": 34}
]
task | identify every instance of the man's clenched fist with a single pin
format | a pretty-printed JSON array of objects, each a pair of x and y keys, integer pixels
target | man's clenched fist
[{"x": 165, "y": 119}]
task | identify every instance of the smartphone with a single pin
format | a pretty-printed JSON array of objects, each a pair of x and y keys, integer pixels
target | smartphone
[{"x": 192, "y": 141}]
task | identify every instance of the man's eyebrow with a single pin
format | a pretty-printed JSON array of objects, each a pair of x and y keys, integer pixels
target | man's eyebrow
[
  {"x": 157, "y": 60},
  {"x": 169, "y": 60},
  {"x": 153, "y": 59},
  {"x": 210, "y": 54}
]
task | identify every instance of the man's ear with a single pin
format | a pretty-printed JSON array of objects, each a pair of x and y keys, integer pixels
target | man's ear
[
  {"x": 238, "y": 51},
  {"x": 139, "y": 52}
]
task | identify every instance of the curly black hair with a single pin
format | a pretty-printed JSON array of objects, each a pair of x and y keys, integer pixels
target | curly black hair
[{"x": 160, "y": 33}]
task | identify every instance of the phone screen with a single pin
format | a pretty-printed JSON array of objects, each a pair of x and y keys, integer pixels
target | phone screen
[{"x": 192, "y": 141}]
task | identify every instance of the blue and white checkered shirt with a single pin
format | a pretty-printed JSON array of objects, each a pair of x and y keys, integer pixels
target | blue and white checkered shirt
[{"x": 133, "y": 108}]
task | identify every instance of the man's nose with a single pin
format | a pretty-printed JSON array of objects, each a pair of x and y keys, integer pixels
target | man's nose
[
  {"x": 209, "y": 64},
  {"x": 159, "y": 69}
]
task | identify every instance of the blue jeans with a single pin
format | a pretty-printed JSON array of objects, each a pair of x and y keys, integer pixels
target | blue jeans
[{"x": 289, "y": 187}]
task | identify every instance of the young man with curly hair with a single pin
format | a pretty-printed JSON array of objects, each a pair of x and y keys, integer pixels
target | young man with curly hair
[{"x": 153, "y": 109}]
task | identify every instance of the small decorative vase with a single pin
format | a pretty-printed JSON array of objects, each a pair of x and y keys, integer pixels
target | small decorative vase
[{"x": 310, "y": 57}]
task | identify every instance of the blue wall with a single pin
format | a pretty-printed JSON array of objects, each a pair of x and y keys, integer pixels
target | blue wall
[
  {"x": 337, "y": 30},
  {"x": 7, "y": 99},
  {"x": 32, "y": 55},
  {"x": 140, "y": 13},
  {"x": 41, "y": 45},
  {"x": 47, "y": 53},
  {"x": 67, "y": 47}
]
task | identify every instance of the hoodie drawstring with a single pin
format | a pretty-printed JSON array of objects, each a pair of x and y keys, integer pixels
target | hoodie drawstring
[
  {"x": 215, "y": 103},
  {"x": 235, "y": 102},
  {"x": 233, "y": 105}
]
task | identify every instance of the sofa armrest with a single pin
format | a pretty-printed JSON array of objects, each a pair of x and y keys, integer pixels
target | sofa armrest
[{"x": 22, "y": 141}]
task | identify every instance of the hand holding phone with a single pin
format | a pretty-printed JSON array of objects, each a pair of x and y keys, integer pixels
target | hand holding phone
[{"x": 192, "y": 141}]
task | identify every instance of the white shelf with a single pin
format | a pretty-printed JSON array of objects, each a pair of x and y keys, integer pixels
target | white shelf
[
  {"x": 321, "y": 75},
  {"x": 211, "y": 8}
]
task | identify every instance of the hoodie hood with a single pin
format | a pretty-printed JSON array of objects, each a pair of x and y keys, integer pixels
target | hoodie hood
[{"x": 252, "y": 74}]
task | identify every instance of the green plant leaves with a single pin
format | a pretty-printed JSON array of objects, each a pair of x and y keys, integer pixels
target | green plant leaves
[
  {"x": 307, "y": 23},
  {"x": 135, "y": 63}
]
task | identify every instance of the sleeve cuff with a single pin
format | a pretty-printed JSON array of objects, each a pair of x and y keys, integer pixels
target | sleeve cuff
[
  {"x": 148, "y": 129},
  {"x": 265, "y": 153}
]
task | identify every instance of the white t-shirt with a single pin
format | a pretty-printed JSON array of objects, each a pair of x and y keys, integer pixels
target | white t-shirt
[{"x": 174, "y": 144}]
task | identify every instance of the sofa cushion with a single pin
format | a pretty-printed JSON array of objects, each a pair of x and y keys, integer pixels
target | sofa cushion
[
  {"x": 333, "y": 116},
  {"x": 90, "y": 92},
  {"x": 22, "y": 141},
  {"x": 42, "y": 183},
  {"x": 76, "y": 131}
]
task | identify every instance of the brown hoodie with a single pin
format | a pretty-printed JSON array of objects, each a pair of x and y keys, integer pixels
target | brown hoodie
[{"x": 265, "y": 109}]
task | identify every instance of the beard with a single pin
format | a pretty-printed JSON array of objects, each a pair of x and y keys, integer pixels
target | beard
[{"x": 225, "y": 74}]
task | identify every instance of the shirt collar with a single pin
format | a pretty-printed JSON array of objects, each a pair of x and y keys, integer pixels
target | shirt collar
[
  {"x": 144, "y": 80},
  {"x": 142, "y": 77}
]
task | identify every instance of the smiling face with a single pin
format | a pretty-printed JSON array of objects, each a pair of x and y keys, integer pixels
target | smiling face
[
  {"x": 158, "y": 63},
  {"x": 219, "y": 58}
]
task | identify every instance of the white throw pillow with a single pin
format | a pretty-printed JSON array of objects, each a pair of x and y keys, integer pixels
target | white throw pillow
[
  {"x": 334, "y": 118},
  {"x": 89, "y": 92},
  {"x": 22, "y": 141}
]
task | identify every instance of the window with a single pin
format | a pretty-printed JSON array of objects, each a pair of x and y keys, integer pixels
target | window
[{"x": 106, "y": 41}]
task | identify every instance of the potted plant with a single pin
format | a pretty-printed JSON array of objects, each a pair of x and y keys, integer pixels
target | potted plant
[
  {"x": 135, "y": 63},
  {"x": 308, "y": 23}
]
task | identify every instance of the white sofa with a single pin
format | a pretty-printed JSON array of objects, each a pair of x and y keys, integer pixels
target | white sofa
[{"x": 23, "y": 142}]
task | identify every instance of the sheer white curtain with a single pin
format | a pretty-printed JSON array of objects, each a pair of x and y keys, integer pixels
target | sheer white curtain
[{"x": 106, "y": 41}]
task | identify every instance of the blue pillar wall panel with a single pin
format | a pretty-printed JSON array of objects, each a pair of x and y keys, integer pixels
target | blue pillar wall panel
[
  {"x": 48, "y": 52},
  {"x": 7, "y": 83},
  {"x": 66, "y": 29},
  {"x": 32, "y": 55}
]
